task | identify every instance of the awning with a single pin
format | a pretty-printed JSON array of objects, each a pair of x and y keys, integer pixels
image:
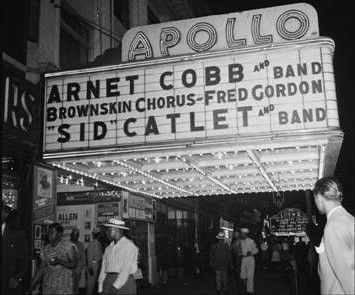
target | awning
[{"x": 261, "y": 164}]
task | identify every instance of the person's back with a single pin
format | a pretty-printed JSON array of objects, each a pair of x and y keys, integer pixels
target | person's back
[{"x": 336, "y": 256}]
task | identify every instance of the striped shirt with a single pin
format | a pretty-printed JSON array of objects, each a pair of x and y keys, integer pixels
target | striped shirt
[{"x": 119, "y": 258}]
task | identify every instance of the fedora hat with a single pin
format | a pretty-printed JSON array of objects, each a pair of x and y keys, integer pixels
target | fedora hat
[
  {"x": 221, "y": 235},
  {"x": 116, "y": 223}
]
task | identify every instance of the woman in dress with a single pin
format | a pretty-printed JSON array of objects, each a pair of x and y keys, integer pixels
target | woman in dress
[{"x": 58, "y": 259}]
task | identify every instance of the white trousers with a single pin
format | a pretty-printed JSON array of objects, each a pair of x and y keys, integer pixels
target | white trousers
[{"x": 247, "y": 272}]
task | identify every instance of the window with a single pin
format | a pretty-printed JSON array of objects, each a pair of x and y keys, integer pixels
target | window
[
  {"x": 121, "y": 11},
  {"x": 152, "y": 18},
  {"x": 74, "y": 41},
  {"x": 13, "y": 22},
  {"x": 10, "y": 182}
]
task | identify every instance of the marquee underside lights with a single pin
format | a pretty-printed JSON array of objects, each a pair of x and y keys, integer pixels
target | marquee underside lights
[{"x": 282, "y": 164}]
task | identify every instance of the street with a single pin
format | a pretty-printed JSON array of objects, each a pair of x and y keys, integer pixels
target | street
[{"x": 266, "y": 283}]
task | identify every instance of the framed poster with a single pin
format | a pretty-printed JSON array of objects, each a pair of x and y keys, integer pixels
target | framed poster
[
  {"x": 44, "y": 183},
  {"x": 44, "y": 202}
]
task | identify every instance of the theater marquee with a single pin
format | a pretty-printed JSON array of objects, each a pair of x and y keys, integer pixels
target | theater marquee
[
  {"x": 225, "y": 96},
  {"x": 227, "y": 104}
]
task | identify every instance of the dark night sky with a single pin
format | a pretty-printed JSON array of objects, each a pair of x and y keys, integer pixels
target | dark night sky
[{"x": 337, "y": 22}]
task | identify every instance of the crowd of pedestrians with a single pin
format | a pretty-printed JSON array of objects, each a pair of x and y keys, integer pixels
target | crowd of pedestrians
[{"x": 66, "y": 267}]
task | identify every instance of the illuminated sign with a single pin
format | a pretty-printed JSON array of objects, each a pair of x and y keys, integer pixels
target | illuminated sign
[
  {"x": 231, "y": 95},
  {"x": 290, "y": 221},
  {"x": 258, "y": 27}
]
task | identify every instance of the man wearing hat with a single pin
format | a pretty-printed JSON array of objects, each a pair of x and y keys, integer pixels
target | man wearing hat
[
  {"x": 93, "y": 261},
  {"x": 248, "y": 250},
  {"x": 119, "y": 262},
  {"x": 221, "y": 262}
]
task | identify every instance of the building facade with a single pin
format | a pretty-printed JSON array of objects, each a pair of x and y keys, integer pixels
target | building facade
[{"x": 52, "y": 35}]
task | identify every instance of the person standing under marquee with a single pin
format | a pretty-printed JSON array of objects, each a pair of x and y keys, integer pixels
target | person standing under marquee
[
  {"x": 221, "y": 261},
  {"x": 120, "y": 262},
  {"x": 248, "y": 250},
  {"x": 58, "y": 261},
  {"x": 336, "y": 250},
  {"x": 14, "y": 253}
]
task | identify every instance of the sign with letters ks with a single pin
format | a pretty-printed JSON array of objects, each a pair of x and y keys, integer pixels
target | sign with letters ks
[
  {"x": 20, "y": 105},
  {"x": 258, "y": 27},
  {"x": 225, "y": 96}
]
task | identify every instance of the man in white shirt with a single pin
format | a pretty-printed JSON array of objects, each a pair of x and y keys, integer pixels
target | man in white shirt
[
  {"x": 336, "y": 250},
  {"x": 248, "y": 250},
  {"x": 119, "y": 262}
]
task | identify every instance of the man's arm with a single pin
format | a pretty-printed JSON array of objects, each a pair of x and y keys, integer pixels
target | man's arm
[
  {"x": 341, "y": 258},
  {"x": 129, "y": 266},
  {"x": 254, "y": 248}
]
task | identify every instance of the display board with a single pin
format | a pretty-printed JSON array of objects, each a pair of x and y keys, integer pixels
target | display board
[
  {"x": 106, "y": 211},
  {"x": 141, "y": 208},
  {"x": 80, "y": 216},
  {"x": 88, "y": 197},
  {"x": 290, "y": 221}
]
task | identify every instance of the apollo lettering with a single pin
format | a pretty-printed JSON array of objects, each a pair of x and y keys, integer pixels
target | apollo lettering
[{"x": 141, "y": 47}]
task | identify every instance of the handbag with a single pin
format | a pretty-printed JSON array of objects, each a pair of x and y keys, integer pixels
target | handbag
[{"x": 138, "y": 275}]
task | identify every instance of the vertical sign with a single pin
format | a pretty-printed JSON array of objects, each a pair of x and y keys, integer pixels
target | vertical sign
[
  {"x": 44, "y": 200},
  {"x": 106, "y": 211}
]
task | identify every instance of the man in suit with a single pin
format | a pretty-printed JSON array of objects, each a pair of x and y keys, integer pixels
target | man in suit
[
  {"x": 15, "y": 258},
  {"x": 336, "y": 250},
  {"x": 221, "y": 261}
]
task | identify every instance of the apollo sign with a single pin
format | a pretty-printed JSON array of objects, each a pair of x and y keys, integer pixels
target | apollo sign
[
  {"x": 207, "y": 97},
  {"x": 258, "y": 27}
]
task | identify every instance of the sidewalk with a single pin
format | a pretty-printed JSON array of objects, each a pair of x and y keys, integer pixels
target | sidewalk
[{"x": 266, "y": 283}]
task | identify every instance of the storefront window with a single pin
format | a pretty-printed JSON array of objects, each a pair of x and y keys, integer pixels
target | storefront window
[
  {"x": 10, "y": 183},
  {"x": 121, "y": 11},
  {"x": 74, "y": 41}
]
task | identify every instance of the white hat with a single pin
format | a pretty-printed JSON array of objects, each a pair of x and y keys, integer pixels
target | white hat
[
  {"x": 245, "y": 230},
  {"x": 220, "y": 235},
  {"x": 116, "y": 223}
]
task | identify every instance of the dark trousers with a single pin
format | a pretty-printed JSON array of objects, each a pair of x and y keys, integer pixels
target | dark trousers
[{"x": 129, "y": 288}]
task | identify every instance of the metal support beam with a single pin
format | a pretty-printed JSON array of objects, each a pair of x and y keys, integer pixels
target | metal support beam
[
  {"x": 262, "y": 170},
  {"x": 207, "y": 175},
  {"x": 321, "y": 150}
]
